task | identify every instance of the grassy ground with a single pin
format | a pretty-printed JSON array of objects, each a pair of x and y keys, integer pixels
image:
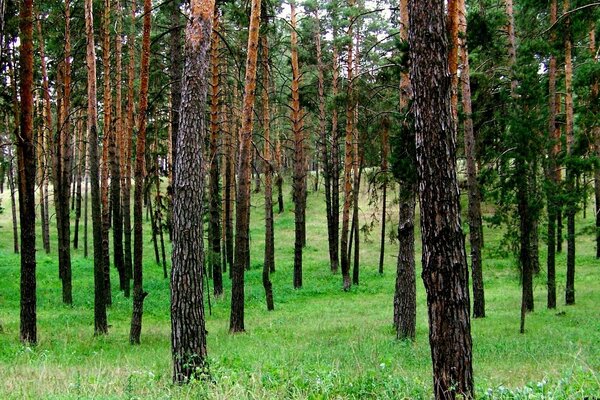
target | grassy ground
[{"x": 318, "y": 343}]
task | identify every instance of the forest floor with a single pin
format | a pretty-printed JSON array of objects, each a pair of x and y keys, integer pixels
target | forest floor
[{"x": 320, "y": 342}]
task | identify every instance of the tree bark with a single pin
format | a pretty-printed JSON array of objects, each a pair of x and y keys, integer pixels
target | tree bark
[
  {"x": 140, "y": 171},
  {"x": 13, "y": 203},
  {"x": 595, "y": 91},
  {"x": 116, "y": 141},
  {"x": 445, "y": 269},
  {"x": 188, "y": 333},
  {"x": 571, "y": 203},
  {"x": 107, "y": 132},
  {"x": 551, "y": 176},
  {"x": 81, "y": 173},
  {"x": 44, "y": 144},
  {"x": 299, "y": 179},
  {"x": 127, "y": 151},
  {"x": 214, "y": 230},
  {"x": 405, "y": 304},
  {"x": 474, "y": 198},
  {"x": 348, "y": 163},
  {"x": 335, "y": 161},
  {"x": 324, "y": 145},
  {"x": 385, "y": 148},
  {"x": 62, "y": 163},
  {"x": 26, "y": 174},
  {"x": 100, "y": 322},
  {"x": 243, "y": 190},
  {"x": 269, "y": 263},
  {"x": 175, "y": 71}
]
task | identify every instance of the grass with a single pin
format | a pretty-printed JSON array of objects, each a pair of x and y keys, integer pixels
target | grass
[{"x": 318, "y": 343}]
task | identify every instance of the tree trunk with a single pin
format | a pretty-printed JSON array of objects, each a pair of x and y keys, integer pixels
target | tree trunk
[
  {"x": 81, "y": 172},
  {"x": 44, "y": 144},
  {"x": 405, "y": 298},
  {"x": 229, "y": 192},
  {"x": 65, "y": 155},
  {"x": 269, "y": 263},
  {"x": 243, "y": 191},
  {"x": 188, "y": 332},
  {"x": 324, "y": 145},
  {"x": 595, "y": 91},
  {"x": 474, "y": 206},
  {"x": 335, "y": 162},
  {"x": 107, "y": 132},
  {"x": 445, "y": 269},
  {"x": 214, "y": 228},
  {"x": 348, "y": 163},
  {"x": 553, "y": 131},
  {"x": 100, "y": 323},
  {"x": 116, "y": 141},
  {"x": 299, "y": 181},
  {"x": 13, "y": 203},
  {"x": 127, "y": 151},
  {"x": 26, "y": 174},
  {"x": 385, "y": 146},
  {"x": 571, "y": 202},
  {"x": 525, "y": 238},
  {"x": 140, "y": 171},
  {"x": 175, "y": 71}
]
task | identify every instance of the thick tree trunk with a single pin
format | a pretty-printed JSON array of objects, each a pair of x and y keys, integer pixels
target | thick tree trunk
[
  {"x": 100, "y": 322},
  {"x": 405, "y": 300},
  {"x": 474, "y": 206},
  {"x": 269, "y": 263},
  {"x": 236, "y": 323},
  {"x": 525, "y": 238},
  {"x": 299, "y": 181},
  {"x": 26, "y": 168},
  {"x": 188, "y": 333},
  {"x": 214, "y": 228},
  {"x": 140, "y": 171},
  {"x": 445, "y": 269}
]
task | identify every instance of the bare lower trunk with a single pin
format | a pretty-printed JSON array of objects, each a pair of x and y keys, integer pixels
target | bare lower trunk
[
  {"x": 299, "y": 184},
  {"x": 100, "y": 322},
  {"x": 243, "y": 190},
  {"x": 474, "y": 197},
  {"x": 138, "y": 290},
  {"x": 445, "y": 269},
  {"x": 405, "y": 300},
  {"x": 269, "y": 263},
  {"x": 26, "y": 174}
]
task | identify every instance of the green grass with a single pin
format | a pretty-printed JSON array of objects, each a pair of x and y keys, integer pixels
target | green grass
[{"x": 318, "y": 343}]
